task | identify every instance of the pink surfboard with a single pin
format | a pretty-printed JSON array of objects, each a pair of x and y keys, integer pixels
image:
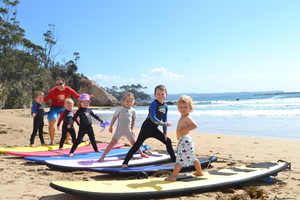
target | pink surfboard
[{"x": 84, "y": 149}]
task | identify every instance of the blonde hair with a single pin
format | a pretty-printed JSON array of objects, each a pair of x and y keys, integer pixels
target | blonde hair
[
  {"x": 38, "y": 93},
  {"x": 69, "y": 101},
  {"x": 186, "y": 99},
  {"x": 128, "y": 95}
]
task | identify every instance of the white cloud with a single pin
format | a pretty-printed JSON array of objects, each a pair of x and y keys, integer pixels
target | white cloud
[
  {"x": 147, "y": 80},
  {"x": 163, "y": 74},
  {"x": 107, "y": 80}
]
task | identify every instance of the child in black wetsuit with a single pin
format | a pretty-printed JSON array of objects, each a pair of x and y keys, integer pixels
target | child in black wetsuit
[
  {"x": 66, "y": 116},
  {"x": 157, "y": 117},
  {"x": 37, "y": 112},
  {"x": 85, "y": 114}
]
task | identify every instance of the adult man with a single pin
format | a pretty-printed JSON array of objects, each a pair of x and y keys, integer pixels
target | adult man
[{"x": 57, "y": 95}]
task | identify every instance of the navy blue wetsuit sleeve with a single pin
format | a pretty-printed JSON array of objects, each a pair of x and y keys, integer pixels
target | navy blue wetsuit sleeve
[
  {"x": 34, "y": 108},
  {"x": 153, "y": 117},
  {"x": 165, "y": 119},
  {"x": 96, "y": 116}
]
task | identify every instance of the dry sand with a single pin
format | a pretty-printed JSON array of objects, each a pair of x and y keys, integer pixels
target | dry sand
[{"x": 28, "y": 181}]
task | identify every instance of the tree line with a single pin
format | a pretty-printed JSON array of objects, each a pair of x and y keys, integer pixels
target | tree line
[
  {"x": 135, "y": 89},
  {"x": 26, "y": 67}
]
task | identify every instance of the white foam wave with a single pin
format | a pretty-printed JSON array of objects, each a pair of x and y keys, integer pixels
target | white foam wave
[
  {"x": 295, "y": 112},
  {"x": 249, "y": 107}
]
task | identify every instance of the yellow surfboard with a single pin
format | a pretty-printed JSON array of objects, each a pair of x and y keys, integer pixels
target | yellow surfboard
[
  {"x": 40, "y": 148},
  {"x": 158, "y": 187}
]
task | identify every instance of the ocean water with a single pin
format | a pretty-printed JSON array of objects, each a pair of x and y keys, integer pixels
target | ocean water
[{"x": 244, "y": 114}]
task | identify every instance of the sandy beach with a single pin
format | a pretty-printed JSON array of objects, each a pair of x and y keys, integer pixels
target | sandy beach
[{"x": 29, "y": 181}]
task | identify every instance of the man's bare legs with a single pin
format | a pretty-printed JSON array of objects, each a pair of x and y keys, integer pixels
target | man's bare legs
[{"x": 52, "y": 130}]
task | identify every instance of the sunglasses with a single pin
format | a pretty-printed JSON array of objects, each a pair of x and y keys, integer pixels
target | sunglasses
[{"x": 59, "y": 84}]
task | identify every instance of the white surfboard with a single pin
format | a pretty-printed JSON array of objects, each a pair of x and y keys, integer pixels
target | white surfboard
[{"x": 83, "y": 164}]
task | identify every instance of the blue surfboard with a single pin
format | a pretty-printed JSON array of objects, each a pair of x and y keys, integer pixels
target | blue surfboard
[
  {"x": 205, "y": 161},
  {"x": 88, "y": 155}
]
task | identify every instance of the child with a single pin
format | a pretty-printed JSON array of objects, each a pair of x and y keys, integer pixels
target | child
[
  {"x": 85, "y": 114},
  {"x": 67, "y": 116},
  {"x": 157, "y": 117},
  {"x": 185, "y": 148},
  {"x": 37, "y": 112},
  {"x": 126, "y": 116}
]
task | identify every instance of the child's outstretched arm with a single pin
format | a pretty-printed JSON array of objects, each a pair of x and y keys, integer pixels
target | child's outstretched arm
[
  {"x": 96, "y": 116},
  {"x": 113, "y": 120},
  {"x": 167, "y": 124},
  {"x": 133, "y": 121}
]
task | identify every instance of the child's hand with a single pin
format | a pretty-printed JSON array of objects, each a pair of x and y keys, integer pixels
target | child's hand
[
  {"x": 33, "y": 114},
  {"x": 110, "y": 129},
  {"x": 103, "y": 125},
  {"x": 69, "y": 126},
  {"x": 168, "y": 124}
]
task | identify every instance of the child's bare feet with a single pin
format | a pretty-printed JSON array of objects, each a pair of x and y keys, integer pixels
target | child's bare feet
[
  {"x": 100, "y": 159},
  {"x": 144, "y": 155},
  {"x": 32, "y": 145},
  {"x": 68, "y": 142},
  {"x": 61, "y": 148},
  {"x": 198, "y": 174},
  {"x": 124, "y": 166},
  {"x": 71, "y": 155},
  {"x": 44, "y": 144},
  {"x": 170, "y": 178},
  {"x": 51, "y": 143}
]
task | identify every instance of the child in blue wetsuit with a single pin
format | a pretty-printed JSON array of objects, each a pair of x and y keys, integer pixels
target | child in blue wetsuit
[
  {"x": 157, "y": 117},
  {"x": 85, "y": 114},
  {"x": 37, "y": 112}
]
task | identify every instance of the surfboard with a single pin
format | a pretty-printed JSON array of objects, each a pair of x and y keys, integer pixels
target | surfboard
[
  {"x": 88, "y": 155},
  {"x": 159, "y": 188},
  {"x": 85, "y": 164},
  {"x": 150, "y": 169},
  {"x": 39, "y": 148},
  {"x": 83, "y": 149}
]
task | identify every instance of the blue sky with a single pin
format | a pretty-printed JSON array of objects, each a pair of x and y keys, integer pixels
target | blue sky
[{"x": 189, "y": 46}]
